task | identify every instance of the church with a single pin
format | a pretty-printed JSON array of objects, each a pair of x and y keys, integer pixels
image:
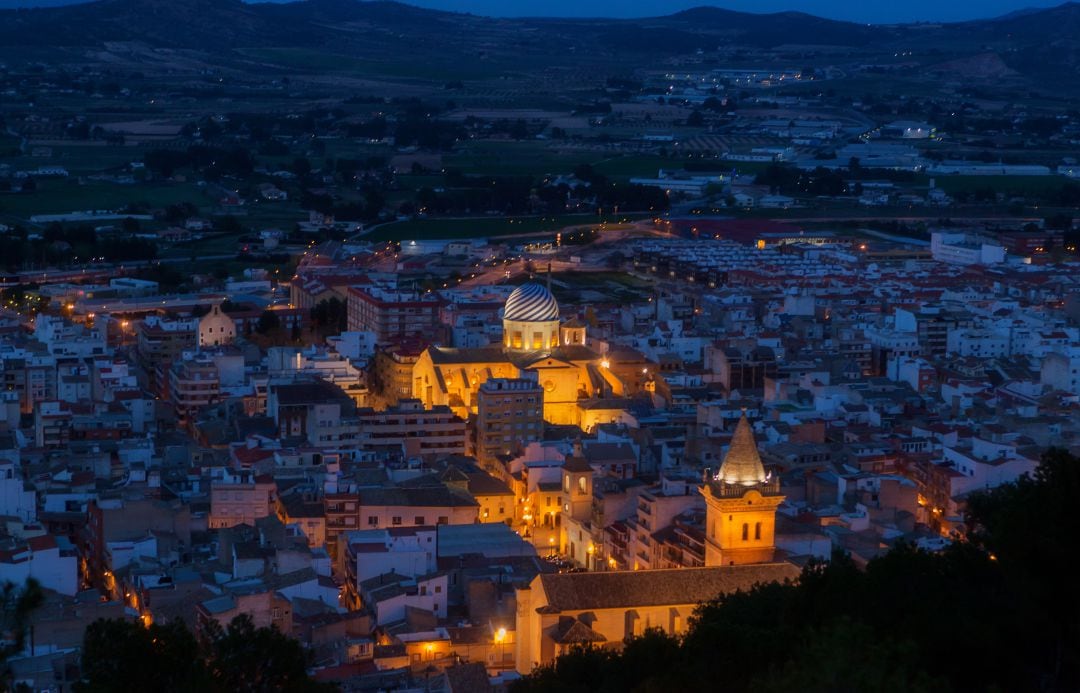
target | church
[
  {"x": 535, "y": 341},
  {"x": 558, "y": 612}
]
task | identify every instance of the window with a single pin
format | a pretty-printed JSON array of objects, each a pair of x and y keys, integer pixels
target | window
[
  {"x": 419, "y": 520},
  {"x": 443, "y": 520},
  {"x": 396, "y": 520},
  {"x": 757, "y": 530},
  {"x": 438, "y": 589},
  {"x": 745, "y": 531}
]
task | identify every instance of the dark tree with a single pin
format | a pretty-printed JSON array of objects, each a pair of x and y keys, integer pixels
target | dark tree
[
  {"x": 246, "y": 659},
  {"x": 268, "y": 322},
  {"x": 119, "y": 654},
  {"x": 995, "y": 611},
  {"x": 330, "y": 315},
  {"x": 18, "y": 603}
]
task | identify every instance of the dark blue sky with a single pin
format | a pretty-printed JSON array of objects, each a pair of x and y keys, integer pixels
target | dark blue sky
[
  {"x": 877, "y": 11},
  {"x": 861, "y": 11}
]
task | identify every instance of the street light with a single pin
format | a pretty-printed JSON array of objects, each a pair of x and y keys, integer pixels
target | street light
[{"x": 500, "y": 638}]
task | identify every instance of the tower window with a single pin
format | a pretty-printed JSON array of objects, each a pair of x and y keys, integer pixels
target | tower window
[
  {"x": 757, "y": 530},
  {"x": 745, "y": 531}
]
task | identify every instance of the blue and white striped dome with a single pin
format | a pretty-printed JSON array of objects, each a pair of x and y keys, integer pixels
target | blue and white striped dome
[{"x": 531, "y": 303}]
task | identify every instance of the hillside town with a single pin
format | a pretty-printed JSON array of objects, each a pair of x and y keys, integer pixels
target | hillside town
[
  {"x": 490, "y": 473},
  {"x": 360, "y": 346}
]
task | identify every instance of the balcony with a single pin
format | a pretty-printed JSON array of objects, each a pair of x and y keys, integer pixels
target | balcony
[{"x": 719, "y": 489}]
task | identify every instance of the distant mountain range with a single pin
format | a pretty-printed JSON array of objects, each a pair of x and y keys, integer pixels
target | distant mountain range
[{"x": 1037, "y": 39}]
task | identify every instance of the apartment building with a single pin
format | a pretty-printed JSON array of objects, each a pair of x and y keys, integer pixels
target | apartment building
[
  {"x": 510, "y": 415},
  {"x": 435, "y": 431},
  {"x": 394, "y": 315},
  {"x": 241, "y": 497}
]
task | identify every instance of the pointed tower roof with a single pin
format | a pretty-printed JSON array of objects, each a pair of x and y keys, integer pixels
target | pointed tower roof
[{"x": 742, "y": 464}]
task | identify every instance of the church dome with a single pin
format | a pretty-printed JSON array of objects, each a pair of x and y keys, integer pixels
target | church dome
[{"x": 531, "y": 303}]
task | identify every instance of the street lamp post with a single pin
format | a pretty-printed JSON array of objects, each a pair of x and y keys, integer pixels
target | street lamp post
[{"x": 500, "y": 638}]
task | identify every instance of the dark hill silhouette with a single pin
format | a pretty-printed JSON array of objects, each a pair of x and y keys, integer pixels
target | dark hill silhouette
[{"x": 1034, "y": 40}]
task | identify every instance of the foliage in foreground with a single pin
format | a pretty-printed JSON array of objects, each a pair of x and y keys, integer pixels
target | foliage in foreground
[
  {"x": 240, "y": 658},
  {"x": 996, "y": 612},
  {"x": 16, "y": 606}
]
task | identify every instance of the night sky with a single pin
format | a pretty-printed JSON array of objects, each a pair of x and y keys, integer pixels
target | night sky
[
  {"x": 880, "y": 11},
  {"x": 864, "y": 11}
]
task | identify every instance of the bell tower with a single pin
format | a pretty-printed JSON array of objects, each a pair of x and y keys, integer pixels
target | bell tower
[{"x": 741, "y": 502}]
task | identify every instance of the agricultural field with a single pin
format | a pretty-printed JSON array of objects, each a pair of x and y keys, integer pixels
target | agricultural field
[
  {"x": 59, "y": 195},
  {"x": 539, "y": 158},
  {"x": 1008, "y": 185},
  {"x": 483, "y": 227},
  {"x": 305, "y": 59},
  {"x": 600, "y": 287}
]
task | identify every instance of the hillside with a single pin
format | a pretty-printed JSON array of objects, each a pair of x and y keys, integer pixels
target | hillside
[{"x": 1034, "y": 42}]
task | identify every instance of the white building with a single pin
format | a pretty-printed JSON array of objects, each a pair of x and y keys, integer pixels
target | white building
[
  {"x": 409, "y": 551},
  {"x": 985, "y": 465},
  {"x": 961, "y": 249},
  {"x": 980, "y": 343},
  {"x": 216, "y": 328},
  {"x": 50, "y": 560},
  {"x": 15, "y": 499},
  {"x": 1061, "y": 371}
]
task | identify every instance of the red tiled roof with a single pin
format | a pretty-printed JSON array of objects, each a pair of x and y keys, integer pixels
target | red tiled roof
[{"x": 42, "y": 543}]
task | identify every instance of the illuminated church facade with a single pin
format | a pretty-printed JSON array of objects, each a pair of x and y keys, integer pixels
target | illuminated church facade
[
  {"x": 558, "y": 612},
  {"x": 534, "y": 341}
]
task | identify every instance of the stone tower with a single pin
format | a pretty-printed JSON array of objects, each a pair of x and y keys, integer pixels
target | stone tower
[{"x": 741, "y": 502}]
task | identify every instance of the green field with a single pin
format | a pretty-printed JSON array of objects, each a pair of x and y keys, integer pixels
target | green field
[
  {"x": 1008, "y": 185},
  {"x": 514, "y": 159},
  {"x": 617, "y": 286},
  {"x": 210, "y": 245},
  {"x": 80, "y": 159},
  {"x": 420, "y": 69},
  {"x": 593, "y": 280},
  {"x": 484, "y": 227},
  {"x": 55, "y": 196},
  {"x": 539, "y": 158}
]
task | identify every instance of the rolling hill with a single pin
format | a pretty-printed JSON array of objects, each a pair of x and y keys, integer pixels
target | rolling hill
[{"x": 1035, "y": 40}]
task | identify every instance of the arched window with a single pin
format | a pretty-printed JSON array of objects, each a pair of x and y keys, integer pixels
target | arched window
[
  {"x": 583, "y": 485},
  {"x": 745, "y": 531},
  {"x": 757, "y": 530}
]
